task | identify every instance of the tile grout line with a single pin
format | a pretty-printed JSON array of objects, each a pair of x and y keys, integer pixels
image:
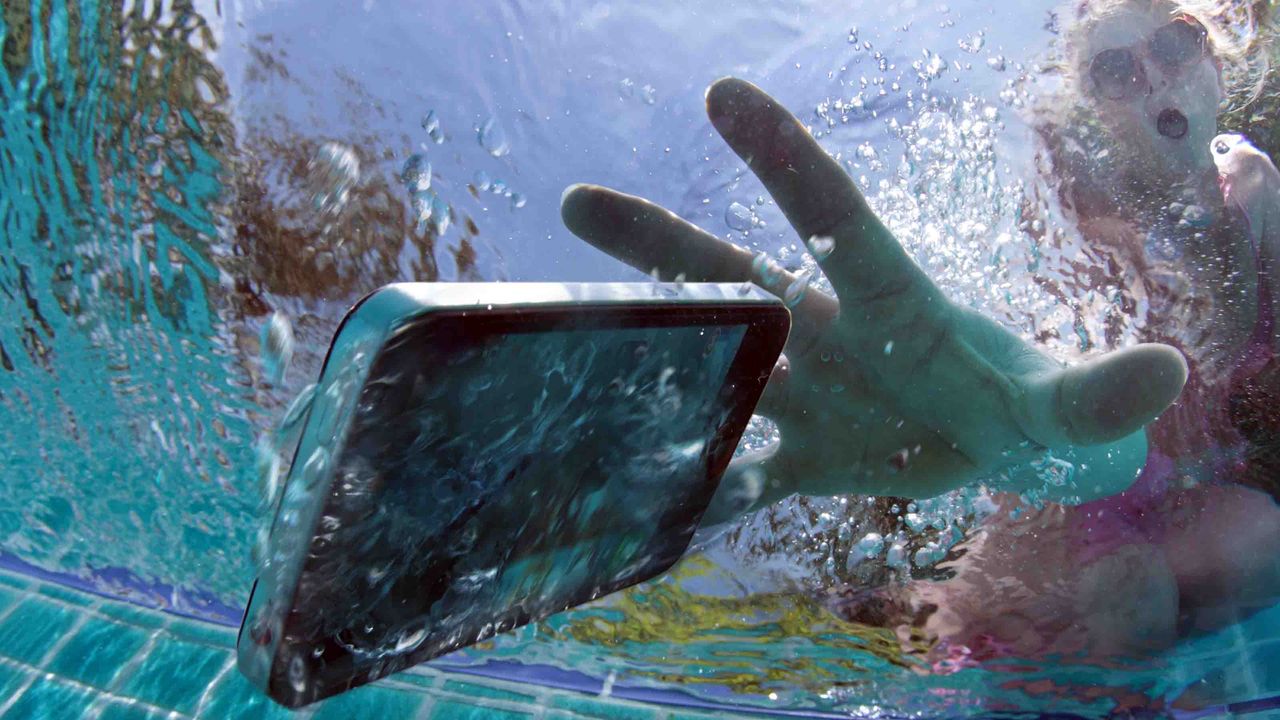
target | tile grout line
[
  {"x": 22, "y": 689},
  {"x": 101, "y": 695},
  {"x": 126, "y": 670},
  {"x": 428, "y": 706},
  {"x": 204, "y": 696}
]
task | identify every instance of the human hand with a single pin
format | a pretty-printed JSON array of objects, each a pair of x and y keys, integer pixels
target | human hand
[
  {"x": 1249, "y": 181},
  {"x": 1251, "y": 184},
  {"x": 891, "y": 389}
]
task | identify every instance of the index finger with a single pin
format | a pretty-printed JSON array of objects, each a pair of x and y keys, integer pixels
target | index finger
[{"x": 816, "y": 194}]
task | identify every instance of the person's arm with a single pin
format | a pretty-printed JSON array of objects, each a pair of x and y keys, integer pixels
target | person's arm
[{"x": 1251, "y": 184}]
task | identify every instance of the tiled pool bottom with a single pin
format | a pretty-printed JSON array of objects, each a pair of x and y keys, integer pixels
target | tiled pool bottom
[
  {"x": 70, "y": 654},
  {"x": 65, "y": 653}
]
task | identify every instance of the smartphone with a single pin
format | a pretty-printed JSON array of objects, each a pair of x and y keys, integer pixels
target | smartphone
[{"x": 484, "y": 455}]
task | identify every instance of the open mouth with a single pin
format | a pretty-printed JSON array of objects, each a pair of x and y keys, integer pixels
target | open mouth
[{"x": 1171, "y": 124}]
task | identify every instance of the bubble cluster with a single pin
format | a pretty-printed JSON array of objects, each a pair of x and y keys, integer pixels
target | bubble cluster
[
  {"x": 431, "y": 124},
  {"x": 483, "y": 183},
  {"x": 332, "y": 172}
]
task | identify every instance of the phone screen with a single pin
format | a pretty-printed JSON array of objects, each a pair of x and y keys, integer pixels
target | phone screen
[{"x": 501, "y": 468}]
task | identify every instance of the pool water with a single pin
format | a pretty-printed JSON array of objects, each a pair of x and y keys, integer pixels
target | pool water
[{"x": 173, "y": 173}]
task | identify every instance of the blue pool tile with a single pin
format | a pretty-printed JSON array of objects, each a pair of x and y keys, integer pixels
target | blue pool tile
[
  {"x": 175, "y": 674},
  {"x": 584, "y": 705},
  {"x": 419, "y": 679},
  {"x": 31, "y": 629},
  {"x": 202, "y": 632},
  {"x": 1265, "y": 658},
  {"x": 14, "y": 581},
  {"x": 129, "y": 711},
  {"x": 371, "y": 701},
  {"x": 8, "y": 596},
  {"x": 11, "y": 678},
  {"x": 51, "y": 700},
  {"x": 450, "y": 710},
  {"x": 98, "y": 651},
  {"x": 235, "y": 699},
  {"x": 479, "y": 691},
  {"x": 67, "y": 595},
  {"x": 134, "y": 614}
]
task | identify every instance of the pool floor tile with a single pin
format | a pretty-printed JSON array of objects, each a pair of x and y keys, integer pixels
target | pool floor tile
[
  {"x": 175, "y": 674},
  {"x": 9, "y": 596},
  {"x": 451, "y": 710},
  {"x": 371, "y": 701},
  {"x": 134, "y": 614},
  {"x": 583, "y": 705},
  {"x": 188, "y": 669},
  {"x": 67, "y": 595},
  {"x": 234, "y": 698},
  {"x": 51, "y": 700},
  {"x": 11, "y": 678},
  {"x": 128, "y": 711},
  {"x": 202, "y": 632},
  {"x": 32, "y": 628},
  {"x": 17, "y": 582},
  {"x": 97, "y": 651},
  {"x": 475, "y": 690}
]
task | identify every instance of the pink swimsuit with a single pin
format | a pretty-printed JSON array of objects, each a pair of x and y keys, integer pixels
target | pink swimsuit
[{"x": 1137, "y": 515}]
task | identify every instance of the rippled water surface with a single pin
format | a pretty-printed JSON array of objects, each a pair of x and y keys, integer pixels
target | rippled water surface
[{"x": 175, "y": 174}]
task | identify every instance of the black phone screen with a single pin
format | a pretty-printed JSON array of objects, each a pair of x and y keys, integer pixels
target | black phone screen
[{"x": 503, "y": 467}]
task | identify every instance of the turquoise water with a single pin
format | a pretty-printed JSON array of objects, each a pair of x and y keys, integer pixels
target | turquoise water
[{"x": 171, "y": 174}]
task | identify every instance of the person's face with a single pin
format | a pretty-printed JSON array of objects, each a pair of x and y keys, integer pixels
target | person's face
[{"x": 1156, "y": 86}]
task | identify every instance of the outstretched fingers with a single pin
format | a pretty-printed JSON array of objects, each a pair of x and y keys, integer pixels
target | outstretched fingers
[
  {"x": 816, "y": 195},
  {"x": 649, "y": 237}
]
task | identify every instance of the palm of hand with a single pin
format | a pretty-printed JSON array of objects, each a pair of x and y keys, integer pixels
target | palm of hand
[{"x": 891, "y": 389}]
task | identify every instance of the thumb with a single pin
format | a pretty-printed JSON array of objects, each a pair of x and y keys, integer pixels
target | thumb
[{"x": 1106, "y": 398}]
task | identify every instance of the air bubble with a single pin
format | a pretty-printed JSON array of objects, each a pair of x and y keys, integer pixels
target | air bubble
[
  {"x": 974, "y": 43},
  {"x": 297, "y": 410},
  {"x": 331, "y": 174},
  {"x": 795, "y": 292},
  {"x": 410, "y": 639},
  {"x": 739, "y": 217},
  {"x": 431, "y": 123},
  {"x": 821, "y": 247},
  {"x": 416, "y": 173},
  {"x": 277, "y": 346},
  {"x": 493, "y": 138},
  {"x": 298, "y": 674},
  {"x": 871, "y": 545},
  {"x": 765, "y": 270}
]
